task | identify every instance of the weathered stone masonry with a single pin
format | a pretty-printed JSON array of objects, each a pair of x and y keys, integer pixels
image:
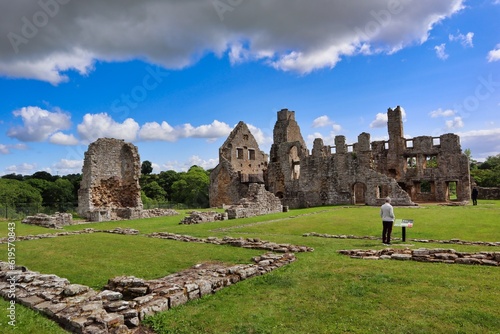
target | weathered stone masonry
[
  {"x": 241, "y": 163},
  {"x": 127, "y": 300},
  {"x": 406, "y": 169},
  {"x": 110, "y": 187},
  {"x": 440, "y": 255}
]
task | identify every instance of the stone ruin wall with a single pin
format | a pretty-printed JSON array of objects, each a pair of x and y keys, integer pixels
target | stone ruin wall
[
  {"x": 488, "y": 193},
  {"x": 241, "y": 163},
  {"x": 323, "y": 177},
  {"x": 110, "y": 187},
  {"x": 258, "y": 201},
  {"x": 57, "y": 220},
  {"x": 363, "y": 173},
  {"x": 423, "y": 166}
]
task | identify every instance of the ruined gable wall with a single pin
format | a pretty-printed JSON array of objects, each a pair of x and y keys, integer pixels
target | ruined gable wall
[
  {"x": 240, "y": 162},
  {"x": 110, "y": 180}
]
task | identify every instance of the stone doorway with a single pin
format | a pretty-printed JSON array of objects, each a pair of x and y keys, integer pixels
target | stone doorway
[{"x": 359, "y": 191}]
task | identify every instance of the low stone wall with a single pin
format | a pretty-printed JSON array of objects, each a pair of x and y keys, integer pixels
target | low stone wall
[
  {"x": 109, "y": 214},
  {"x": 117, "y": 230},
  {"x": 427, "y": 255},
  {"x": 57, "y": 220},
  {"x": 126, "y": 300},
  {"x": 253, "y": 243},
  {"x": 488, "y": 193},
  {"x": 199, "y": 217},
  {"x": 451, "y": 241},
  {"x": 157, "y": 212}
]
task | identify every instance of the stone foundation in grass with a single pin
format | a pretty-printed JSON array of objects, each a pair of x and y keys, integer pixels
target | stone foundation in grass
[
  {"x": 427, "y": 255},
  {"x": 126, "y": 300}
]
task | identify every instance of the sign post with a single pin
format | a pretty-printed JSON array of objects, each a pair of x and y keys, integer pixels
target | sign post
[{"x": 404, "y": 223}]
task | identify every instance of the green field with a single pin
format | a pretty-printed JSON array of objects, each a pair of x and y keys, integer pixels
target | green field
[{"x": 322, "y": 292}]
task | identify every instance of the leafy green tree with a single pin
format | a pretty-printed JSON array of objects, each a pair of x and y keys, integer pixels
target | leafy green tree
[
  {"x": 154, "y": 191},
  {"x": 18, "y": 196},
  {"x": 13, "y": 176},
  {"x": 166, "y": 179},
  {"x": 146, "y": 167},
  {"x": 487, "y": 174},
  {"x": 492, "y": 162},
  {"x": 192, "y": 188},
  {"x": 75, "y": 180},
  {"x": 44, "y": 176},
  {"x": 40, "y": 184},
  {"x": 59, "y": 195}
]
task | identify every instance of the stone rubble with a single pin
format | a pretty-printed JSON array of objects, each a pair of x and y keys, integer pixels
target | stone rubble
[
  {"x": 126, "y": 300},
  {"x": 158, "y": 212},
  {"x": 117, "y": 230},
  {"x": 56, "y": 221},
  {"x": 199, "y": 217},
  {"x": 253, "y": 243},
  {"x": 427, "y": 255},
  {"x": 451, "y": 241}
]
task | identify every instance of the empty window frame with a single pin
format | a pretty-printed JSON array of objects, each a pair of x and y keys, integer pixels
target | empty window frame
[
  {"x": 431, "y": 161},
  {"x": 251, "y": 154},
  {"x": 239, "y": 153},
  {"x": 411, "y": 162}
]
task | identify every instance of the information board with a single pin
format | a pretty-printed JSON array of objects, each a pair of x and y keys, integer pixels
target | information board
[{"x": 404, "y": 222}]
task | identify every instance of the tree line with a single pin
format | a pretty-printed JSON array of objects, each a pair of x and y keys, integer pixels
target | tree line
[
  {"x": 42, "y": 192},
  {"x": 487, "y": 173}
]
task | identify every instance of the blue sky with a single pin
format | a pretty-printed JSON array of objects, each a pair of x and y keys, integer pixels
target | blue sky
[{"x": 175, "y": 77}]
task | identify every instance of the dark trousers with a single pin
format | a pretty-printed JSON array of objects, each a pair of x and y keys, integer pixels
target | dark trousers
[
  {"x": 474, "y": 200},
  {"x": 386, "y": 232}
]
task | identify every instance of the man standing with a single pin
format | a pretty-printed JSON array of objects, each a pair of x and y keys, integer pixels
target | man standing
[
  {"x": 387, "y": 214},
  {"x": 475, "y": 192}
]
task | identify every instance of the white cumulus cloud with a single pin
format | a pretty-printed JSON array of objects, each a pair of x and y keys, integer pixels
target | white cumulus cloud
[
  {"x": 60, "y": 138},
  {"x": 24, "y": 169},
  {"x": 441, "y": 51},
  {"x": 442, "y": 113},
  {"x": 38, "y": 124},
  {"x": 101, "y": 125},
  {"x": 264, "y": 140},
  {"x": 465, "y": 40},
  {"x": 380, "y": 121},
  {"x": 494, "y": 55},
  {"x": 321, "y": 121},
  {"x": 455, "y": 123},
  {"x": 166, "y": 132}
]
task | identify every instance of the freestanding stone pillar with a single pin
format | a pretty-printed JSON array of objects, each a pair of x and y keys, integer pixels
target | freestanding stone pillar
[{"x": 110, "y": 187}]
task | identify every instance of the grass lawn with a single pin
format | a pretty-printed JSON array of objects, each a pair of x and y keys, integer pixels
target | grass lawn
[{"x": 322, "y": 292}]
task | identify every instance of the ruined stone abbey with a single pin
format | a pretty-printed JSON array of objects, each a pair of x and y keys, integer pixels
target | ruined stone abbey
[{"x": 409, "y": 170}]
